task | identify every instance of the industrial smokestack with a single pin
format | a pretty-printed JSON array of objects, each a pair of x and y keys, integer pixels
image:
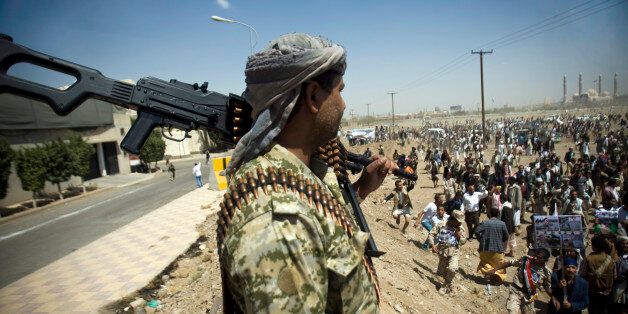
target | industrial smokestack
[
  {"x": 615, "y": 86},
  {"x": 580, "y": 84},
  {"x": 564, "y": 89},
  {"x": 599, "y": 85}
]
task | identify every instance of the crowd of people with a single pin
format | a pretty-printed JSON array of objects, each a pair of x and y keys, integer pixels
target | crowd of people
[{"x": 582, "y": 183}]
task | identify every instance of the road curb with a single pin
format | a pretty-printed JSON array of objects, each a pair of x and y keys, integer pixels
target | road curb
[{"x": 149, "y": 177}]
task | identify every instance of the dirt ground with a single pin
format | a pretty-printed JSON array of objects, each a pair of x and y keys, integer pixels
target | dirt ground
[{"x": 407, "y": 274}]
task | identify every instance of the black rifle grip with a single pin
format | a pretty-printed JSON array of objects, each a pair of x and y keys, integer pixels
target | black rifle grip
[{"x": 139, "y": 132}]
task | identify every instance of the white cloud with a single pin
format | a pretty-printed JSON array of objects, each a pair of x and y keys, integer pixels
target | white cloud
[{"x": 223, "y": 3}]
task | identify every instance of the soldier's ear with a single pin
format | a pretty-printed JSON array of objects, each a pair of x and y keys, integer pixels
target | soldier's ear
[{"x": 312, "y": 99}]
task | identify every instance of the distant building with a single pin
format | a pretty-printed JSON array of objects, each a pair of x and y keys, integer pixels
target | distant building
[
  {"x": 26, "y": 123},
  {"x": 454, "y": 109}
]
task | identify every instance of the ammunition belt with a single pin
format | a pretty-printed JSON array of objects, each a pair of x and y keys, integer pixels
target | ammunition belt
[
  {"x": 245, "y": 189},
  {"x": 335, "y": 155}
]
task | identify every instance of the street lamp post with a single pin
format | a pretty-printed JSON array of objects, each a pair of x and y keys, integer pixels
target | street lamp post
[{"x": 251, "y": 29}]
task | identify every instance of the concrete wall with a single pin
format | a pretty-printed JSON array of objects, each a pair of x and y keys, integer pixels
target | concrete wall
[
  {"x": 192, "y": 145},
  {"x": 29, "y": 138}
]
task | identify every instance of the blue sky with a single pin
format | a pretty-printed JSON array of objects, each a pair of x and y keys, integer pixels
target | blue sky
[{"x": 390, "y": 44}]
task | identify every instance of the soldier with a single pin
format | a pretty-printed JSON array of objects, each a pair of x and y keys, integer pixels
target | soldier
[
  {"x": 532, "y": 275},
  {"x": 281, "y": 252},
  {"x": 445, "y": 240}
]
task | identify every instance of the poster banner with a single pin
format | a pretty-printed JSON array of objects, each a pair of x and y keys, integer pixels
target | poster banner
[
  {"x": 552, "y": 231},
  {"x": 607, "y": 217}
]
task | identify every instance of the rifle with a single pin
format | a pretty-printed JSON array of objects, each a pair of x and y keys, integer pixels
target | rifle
[{"x": 158, "y": 103}]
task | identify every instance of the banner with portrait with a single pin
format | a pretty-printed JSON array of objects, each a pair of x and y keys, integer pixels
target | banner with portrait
[{"x": 554, "y": 232}]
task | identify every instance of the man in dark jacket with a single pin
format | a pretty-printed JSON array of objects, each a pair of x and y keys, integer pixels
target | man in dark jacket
[
  {"x": 575, "y": 287},
  {"x": 508, "y": 218}
]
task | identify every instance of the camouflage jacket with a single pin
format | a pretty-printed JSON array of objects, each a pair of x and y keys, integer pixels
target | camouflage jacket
[
  {"x": 283, "y": 255},
  {"x": 446, "y": 249}
]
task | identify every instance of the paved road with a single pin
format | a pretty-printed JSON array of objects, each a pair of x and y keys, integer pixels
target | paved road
[{"x": 33, "y": 241}]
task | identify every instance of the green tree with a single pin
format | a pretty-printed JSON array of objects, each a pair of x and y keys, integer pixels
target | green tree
[
  {"x": 30, "y": 166},
  {"x": 81, "y": 152},
  {"x": 59, "y": 163},
  {"x": 6, "y": 156},
  {"x": 154, "y": 148}
]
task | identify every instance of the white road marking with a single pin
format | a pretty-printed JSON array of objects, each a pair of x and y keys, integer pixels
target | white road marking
[{"x": 15, "y": 234}]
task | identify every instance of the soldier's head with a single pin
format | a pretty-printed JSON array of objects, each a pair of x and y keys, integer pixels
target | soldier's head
[
  {"x": 440, "y": 211},
  {"x": 458, "y": 195},
  {"x": 541, "y": 256},
  {"x": 493, "y": 212},
  {"x": 438, "y": 199},
  {"x": 570, "y": 266},
  {"x": 471, "y": 187},
  {"x": 398, "y": 185},
  {"x": 612, "y": 182},
  {"x": 599, "y": 244},
  {"x": 623, "y": 244},
  {"x": 453, "y": 221},
  {"x": 293, "y": 86},
  {"x": 512, "y": 180},
  {"x": 573, "y": 195}
]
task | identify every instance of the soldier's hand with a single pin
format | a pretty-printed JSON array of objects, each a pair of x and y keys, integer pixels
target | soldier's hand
[
  {"x": 373, "y": 175},
  {"x": 556, "y": 303},
  {"x": 566, "y": 304}
]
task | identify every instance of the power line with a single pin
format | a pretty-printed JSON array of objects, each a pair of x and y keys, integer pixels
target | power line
[
  {"x": 437, "y": 70},
  {"x": 443, "y": 72},
  {"x": 436, "y": 74},
  {"x": 515, "y": 40},
  {"x": 537, "y": 24}
]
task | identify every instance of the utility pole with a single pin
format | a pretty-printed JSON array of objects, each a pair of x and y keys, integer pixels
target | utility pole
[
  {"x": 392, "y": 99},
  {"x": 481, "y": 53},
  {"x": 368, "y": 114},
  {"x": 564, "y": 90}
]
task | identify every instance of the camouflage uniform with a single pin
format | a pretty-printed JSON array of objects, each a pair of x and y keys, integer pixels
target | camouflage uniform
[
  {"x": 448, "y": 253},
  {"x": 283, "y": 255},
  {"x": 518, "y": 300}
]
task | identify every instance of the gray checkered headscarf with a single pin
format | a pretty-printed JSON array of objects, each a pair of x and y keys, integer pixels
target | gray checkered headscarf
[{"x": 273, "y": 83}]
